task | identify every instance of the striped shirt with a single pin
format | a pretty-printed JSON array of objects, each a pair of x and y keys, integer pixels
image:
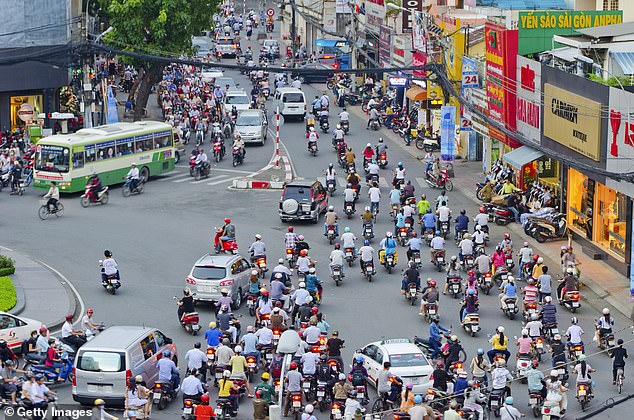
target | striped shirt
[{"x": 530, "y": 293}]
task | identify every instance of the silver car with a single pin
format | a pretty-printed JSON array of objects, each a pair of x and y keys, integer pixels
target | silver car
[
  {"x": 252, "y": 126},
  {"x": 212, "y": 273}
]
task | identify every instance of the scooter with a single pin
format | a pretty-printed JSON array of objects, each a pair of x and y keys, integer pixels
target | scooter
[
  {"x": 439, "y": 260},
  {"x": 229, "y": 246},
  {"x": 331, "y": 234},
  {"x": 389, "y": 262},
  {"x": 530, "y": 308},
  {"x": 543, "y": 230},
  {"x": 511, "y": 308},
  {"x": 345, "y": 126},
  {"x": 111, "y": 283},
  {"x": 238, "y": 157},
  {"x": 442, "y": 182},
  {"x": 348, "y": 209},
  {"x": 551, "y": 410},
  {"x": 571, "y": 300},
  {"x": 501, "y": 274},
  {"x": 411, "y": 293},
  {"x": 368, "y": 231},
  {"x": 471, "y": 324},
  {"x": 368, "y": 270},
  {"x": 128, "y": 189},
  {"x": 89, "y": 196},
  {"x": 606, "y": 342},
  {"x": 201, "y": 170},
  {"x": 454, "y": 285},
  {"x": 350, "y": 257},
  {"x": 382, "y": 160},
  {"x": 522, "y": 366},
  {"x": 584, "y": 394},
  {"x": 415, "y": 257},
  {"x": 375, "y": 125},
  {"x": 50, "y": 375},
  {"x": 430, "y": 311},
  {"x": 337, "y": 274},
  {"x": 485, "y": 283},
  {"x": 190, "y": 322},
  {"x": 331, "y": 187},
  {"x": 312, "y": 148},
  {"x": 324, "y": 125},
  {"x": 219, "y": 150}
]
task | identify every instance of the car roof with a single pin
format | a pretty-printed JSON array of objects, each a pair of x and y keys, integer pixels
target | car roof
[
  {"x": 236, "y": 92},
  {"x": 247, "y": 112},
  {"x": 397, "y": 346},
  {"x": 116, "y": 337},
  {"x": 302, "y": 184},
  {"x": 219, "y": 260},
  {"x": 225, "y": 38},
  {"x": 288, "y": 89}
]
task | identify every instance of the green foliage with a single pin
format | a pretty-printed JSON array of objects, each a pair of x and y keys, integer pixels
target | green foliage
[
  {"x": 157, "y": 27},
  {"x": 6, "y": 262},
  {"x": 393, "y": 12},
  {"x": 7, "y": 271},
  {"x": 7, "y": 294},
  {"x": 612, "y": 81}
]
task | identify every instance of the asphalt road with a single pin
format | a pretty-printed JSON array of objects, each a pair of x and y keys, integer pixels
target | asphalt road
[{"x": 157, "y": 236}]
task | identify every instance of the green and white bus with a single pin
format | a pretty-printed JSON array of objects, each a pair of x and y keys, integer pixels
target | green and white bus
[{"x": 108, "y": 150}]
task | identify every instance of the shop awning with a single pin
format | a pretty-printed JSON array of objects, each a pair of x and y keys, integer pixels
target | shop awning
[
  {"x": 521, "y": 156},
  {"x": 416, "y": 93},
  {"x": 625, "y": 60}
]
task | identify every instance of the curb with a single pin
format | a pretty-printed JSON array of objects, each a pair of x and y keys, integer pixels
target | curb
[
  {"x": 75, "y": 303},
  {"x": 248, "y": 183},
  {"x": 20, "y": 299}
]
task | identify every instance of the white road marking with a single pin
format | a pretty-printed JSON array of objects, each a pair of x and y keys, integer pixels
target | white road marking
[
  {"x": 220, "y": 181},
  {"x": 422, "y": 182},
  {"x": 383, "y": 182},
  {"x": 182, "y": 180},
  {"x": 172, "y": 177},
  {"x": 210, "y": 179}
]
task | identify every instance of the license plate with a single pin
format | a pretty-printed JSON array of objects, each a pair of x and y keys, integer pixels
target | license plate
[
  {"x": 297, "y": 403},
  {"x": 575, "y": 304},
  {"x": 335, "y": 411},
  {"x": 368, "y": 232},
  {"x": 251, "y": 365},
  {"x": 157, "y": 396},
  {"x": 348, "y": 208},
  {"x": 187, "y": 410},
  {"x": 218, "y": 411},
  {"x": 250, "y": 303},
  {"x": 511, "y": 306},
  {"x": 218, "y": 375},
  {"x": 430, "y": 237},
  {"x": 269, "y": 356},
  {"x": 554, "y": 331},
  {"x": 412, "y": 291},
  {"x": 336, "y": 273},
  {"x": 320, "y": 393},
  {"x": 306, "y": 385},
  {"x": 509, "y": 262},
  {"x": 277, "y": 388},
  {"x": 348, "y": 254},
  {"x": 494, "y": 402},
  {"x": 533, "y": 401},
  {"x": 578, "y": 352},
  {"x": 475, "y": 328},
  {"x": 417, "y": 260},
  {"x": 582, "y": 392},
  {"x": 561, "y": 371},
  {"x": 540, "y": 346},
  {"x": 504, "y": 276},
  {"x": 360, "y": 395},
  {"x": 403, "y": 234},
  {"x": 440, "y": 259},
  {"x": 455, "y": 288},
  {"x": 432, "y": 312},
  {"x": 407, "y": 225}
]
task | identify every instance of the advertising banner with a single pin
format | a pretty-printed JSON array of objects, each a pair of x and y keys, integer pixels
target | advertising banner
[
  {"x": 113, "y": 113},
  {"x": 528, "y": 109},
  {"x": 342, "y": 6},
  {"x": 469, "y": 73},
  {"x": 419, "y": 59},
  {"x": 374, "y": 14},
  {"x": 385, "y": 43},
  {"x": 447, "y": 132},
  {"x": 536, "y": 29},
  {"x": 572, "y": 121},
  {"x": 408, "y": 15}
]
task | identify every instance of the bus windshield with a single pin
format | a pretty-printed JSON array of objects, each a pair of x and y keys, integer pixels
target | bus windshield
[{"x": 52, "y": 158}]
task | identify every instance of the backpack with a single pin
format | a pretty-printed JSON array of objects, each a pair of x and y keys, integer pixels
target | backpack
[
  {"x": 24, "y": 347},
  {"x": 276, "y": 369},
  {"x": 357, "y": 377}
]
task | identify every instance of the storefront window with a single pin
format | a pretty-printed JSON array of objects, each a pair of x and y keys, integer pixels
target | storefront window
[
  {"x": 548, "y": 175},
  {"x": 17, "y": 102},
  {"x": 611, "y": 219},
  {"x": 580, "y": 203}
]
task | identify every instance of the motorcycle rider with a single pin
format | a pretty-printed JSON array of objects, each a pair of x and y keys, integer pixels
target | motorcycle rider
[
  {"x": 526, "y": 254},
  {"x": 500, "y": 376},
  {"x": 442, "y": 198},
  {"x": 435, "y": 338},
  {"x": 133, "y": 175},
  {"x": 428, "y": 221},
  {"x": 567, "y": 284},
  {"x": 453, "y": 269},
  {"x": 524, "y": 343},
  {"x": 310, "y": 121},
  {"x": 264, "y": 305},
  {"x": 507, "y": 244},
  {"x": 366, "y": 254},
  {"x": 290, "y": 238},
  {"x": 167, "y": 370},
  {"x": 500, "y": 343},
  {"x": 462, "y": 223},
  {"x": 337, "y": 257},
  {"x": 480, "y": 366},
  {"x": 238, "y": 144},
  {"x": 430, "y": 296},
  {"x": 202, "y": 159},
  {"x": 556, "y": 392},
  {"x": 444, "y": 215},
  {"x": 411, "y": 275},
  {"x": 373, "y": 116},
  {"x": 469, "y": 305},
  {"x": 312, "y": 137},
  {"x": 466, "y": 247},
  {"x": 530, "y": 293},
  {"x": 498, "y": 259},
  {"x": 95, "y": 186},
  {"x": 414, "y": 244},
  {"x": 228, "y": 233},
  {"x": 482, "y": 219},
  {"x": 441, "y": 377},
  {"x": 331, "y": 175},
  {"x": 355, "y": 181},
  {"x": 109, "y": 267},
  {"x": 185, "y": 304},
  {"x": 604, "y": 324},
  {"x": 313, "y": 285},
  {"x": 535, "y": 379},
  {"x": 583, "y": 371},
  {"x": 437, "y": 244},
  {"x": 482, "y": 264},
  {"x": 478, "y": 237},
  {"x": 331, "y": 220},
  {"x": 399, "y": 175},
  {"x": 348, "y": 196},
  {"x": 344, "y": 115},
  {"x": 399, "y": 221},
  {"x": 267, "y": 390},
  {"x": 257, "y": 248},
  {"x": 368, "y": 154},
  {"x": 284, "y": 271},
  {"x": 347, "y": 240},
  {"x": 380, "y": 147},
  {"x": 509, "y": 291},
  {"x": 388, "y": 246}
]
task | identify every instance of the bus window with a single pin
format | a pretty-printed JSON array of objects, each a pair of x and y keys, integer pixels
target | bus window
[
  {"x": 143, "y": 143},
  {"x": 89, "y": 149},
  {"x": 125, "y": 147},
  {"x": 162, "y": 140},
  {"x": 105, "y": 150},
  {"x": 78, "y": 159}
]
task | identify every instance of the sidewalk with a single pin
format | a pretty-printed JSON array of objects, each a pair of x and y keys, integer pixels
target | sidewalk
[
  {"x": 613, "y": 287},
  {"x": 42, "y": 294}
]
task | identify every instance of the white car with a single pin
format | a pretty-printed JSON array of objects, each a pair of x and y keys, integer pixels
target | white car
[
  {"x": 408, "y": 362},
  {"x": 14, "y": 330}
]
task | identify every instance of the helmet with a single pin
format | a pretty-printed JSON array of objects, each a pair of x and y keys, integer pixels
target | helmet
[
  {"x": 525, "y": 243},
  {"x": 138, "y": 379},
  {"x": 569, "y": 270},
  {"x": 557, "y": 337},
  {"x": 359, "y": 359},
  {"x": 380, "y": 139},
  {"x": 368, "y": 145},
  {"x": 463, "y": 211},
  {"x": 400, "y": 164},
  {"x": 331, "y": 208},
  {"x": 554, "y": 373},
  {"x": 303, "y": 252},
  {"x": 290, "y": 228},
  {"x": 471, "y": 292},
  {"x": 501, "y": 363},
  {"x": 278, "y": 275},
  {"x": 471, "y": 272},
  {"x": 573, "y": 320},
  {"x": 346, "y": 229},
  {"x": 534, "y": 317},
  {"x": 227, "y": 220},
  {"x": 311, "y": 270},
  {"x": 342, "y": 377},
  {"x": 500, "y": 329},
  {"x": 507, "y": 236},
  {"x": 606, "y": 311},
  {"x": 312, "y": 128},
  {"x": 530, "y": 282},
  {"x": 205, "y": 398},
  {"x": 330, "y": 166},
  {"x": 265, "y": 376},
  {"x": 366, "y": 243},
  {"x": 293, "y": 366},
  {"x": 482, "y": 209},
  {"x": 524, "y": 331},
  {"x": 224, "y": 291},
  {"x": 437, "y": 233},
  {"x": 511, "y": 278},
  {"x": 508, "y": 401},
  {"x": 337, "y": 246},
  {"x": 540, "y": 260},
  {"x": 302, "y": 285},
  {"x": 418, "y": 399},
  {"x": 250, "y": 328},
  {"x": 454, "y": 258},
  {"x": 388, "y": 234},
  {"x": 454, "y": 338},
  {"x": 255, "y": 272},
  {"x": 212, "y": 325},
  {"x": 414, "y": 234},
  {"x": 300, "y": 237},
  {"x": 439, "y": 364},
  {"x": 226, "y": 373},
  {"x": 480, "y": 351},
  {"x": 238, "y": 349},
  {"x": 580, "y": 358},
  {"x": 548, "y": 299},
  {"x": 280, "y": 261},
  {"x": 314, "y": 309},
  {"x": 536, "y": 257},
  {"x": 432, "y": 283},
  {"x": 619, "y": 341},
  {"x": 352, "y": 393},
  {"x": 99, "y": 401},
  {"x": 409, "y": 386},
  {"x": 309, "y": 409},
  {"x": 478, "y": 228},
  {"x": 167, "y": 353}
]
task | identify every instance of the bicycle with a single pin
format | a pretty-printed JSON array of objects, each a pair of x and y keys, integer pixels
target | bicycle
[
  {"x": 620, "y": 378},
  {"x": 45, "y": 210}
]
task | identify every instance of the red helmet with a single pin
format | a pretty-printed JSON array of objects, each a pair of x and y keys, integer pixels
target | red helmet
[
  {"x": 314, "y": 309},
  {"x": 482, "y": 209},
  {"x": 264, "y": 292},
  {"x": 470, "y": 272},
  {"x": 507, "y": 236},
  {"x": 227, "y": 220},
  {"x": 432, "y": 283},
  {"x": 293, "y": 365},
  {"x": 413, "y": 234},
  {"x": 535, "y": 257},
  {"x": 303, "y": 252},
  {"x": 258, "y": 394},
  {"x": 290, "y": 228},
  {"x": 439, "y": 365},
  {"x": 205, "y": 398}
]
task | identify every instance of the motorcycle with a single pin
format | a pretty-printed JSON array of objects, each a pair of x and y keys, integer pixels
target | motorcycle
[
  {"x": 430, "y": 311},
  {"x": 530, "y": 308},
  {"x": 439, "y": 260},
  {"x": 323, "y": 396},
  {"x": 219, "y": 150},
  {"x": 389, "y": 262},
  {"x": 549, "y": 331},
  {"x": 296, "y": 404},
  {"x": 496, "y": 398},
  {"x": 382, "y": 160},
  {"x": 260, "y": 264},
  {"x": 252, "y": 367},
  {"x": 508, "y": 262},
  {"x": 467, "y": 262},
  {"x": 574, "y": 351},
  {"x": 454, "y": 285},
  {"x": 89, "y": 196},
  {"x": 229, "y": 246},
  {"x": 348, "y": 209},
  {"x": 238, "y": 156},
  {"x": 202, "y": 169},
  {"x": 163, "y": 394},
  {"x": 128, "y": 189},
  {"x": 324, "y": 125},
  {"x": 572, "y": 300},
  {"x": 443, "y": 182},
  {"x": 444, "y": 229},
  {"x": 503, "y": 216},
  {"x": 188, "y": 409},
  {"x": 543, "y": 229},
  {"x": 511, "y": 307},
  {"x": 485, "y": 283},
  {"x": 551, "y": 411},
  {"x": 411, "y": 293},
  {"x": 415, "y": 257},
  {"x": 584, "y": 394},
  {"x": 606, "y": 342},
  {"x": 331, "y": 187},
  {"x": 192, "y": 165},
  {"x": 312, "y": 148},
  {"x": 350, "y": 257},
  {"x": 429, "y": 235},
  {"x": 345, "y": 126},
  {"x": 224, "y": 409},
  {"x": 402, "y": 235},
  {"x": 291, "y": 258},
  {"x": 471, "y": 324},
  {"x": 521, "y": 367},
  {"x": 535, "y": 401},
  {"x": 190, "y": 322},
  {"x": 501, "y": 274},
  {"x": 331, "y": 234},
  {"x": 375, "y": 125},
  {"x": 49, "y": 373},
  {"x": 368, "y": 270},
  {"x": 111, "y": 283},
  {"x": 337, "y": 274},
  {"x": 251, "y": 299},
  {"x": 368, "y": 231}
]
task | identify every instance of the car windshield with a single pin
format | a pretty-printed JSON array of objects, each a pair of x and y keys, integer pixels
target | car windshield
[
  {"x": 294, "y": 97},
  {"x": 52, "y": 158},
  {"x": 237, "y": 99},
  {"x": 223, "y": 81},
  {"x": 297, "y": 193},
  {"x": 204, "y": 272},
  {"x": 101, "y": 361},
  {"x": 225, "y": 41},
  {"x": 248, "y": 120},
  {"x": 408, "y": 360}
]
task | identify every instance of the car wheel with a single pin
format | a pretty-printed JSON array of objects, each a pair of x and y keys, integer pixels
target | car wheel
[{"x": 177, "y": 157}]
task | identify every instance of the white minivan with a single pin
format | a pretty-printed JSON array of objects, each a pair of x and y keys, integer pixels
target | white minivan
[{"x": 291, "y": 101}]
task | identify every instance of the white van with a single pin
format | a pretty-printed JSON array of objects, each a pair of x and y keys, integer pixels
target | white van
[
  {"x": 291, "y": 101},
  {"x": 105, "y": 363}
]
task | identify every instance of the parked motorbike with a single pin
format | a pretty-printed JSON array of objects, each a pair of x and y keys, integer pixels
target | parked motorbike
[{"x": 544, "y": 230}]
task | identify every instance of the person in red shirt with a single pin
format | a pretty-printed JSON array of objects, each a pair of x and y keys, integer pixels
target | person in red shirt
[
  {"x": 368, "y": 153},
  {"x": 203, "y": 410}
]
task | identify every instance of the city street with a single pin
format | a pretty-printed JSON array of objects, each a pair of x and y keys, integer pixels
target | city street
[{"x": 156, "y": 237}]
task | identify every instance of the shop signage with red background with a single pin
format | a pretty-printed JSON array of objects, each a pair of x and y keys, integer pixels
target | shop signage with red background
[
  {"x": 419, "y": 59},
  {"x": 501, "y": 53},
  {"x": 528, "y": 110}
]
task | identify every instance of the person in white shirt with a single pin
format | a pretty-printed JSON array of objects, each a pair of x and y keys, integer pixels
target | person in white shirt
[
  {"x": 264, "y": 335},
  {"x": 337, "y": 258},
  {"x": 478, "y": 235},
  {"x": 444, "y": 213},
  {"x": 366, "y": 252},
  {"x": 348, "y": 195},
  {"x": 109, "y": 267},
  {"x": 191, "y": 387},
  {"x": 40, "y": 392},
  {"x": 201, "y": 157},
  {"x": 197, "y": 359},
  {"x": 311, "y": 335},
  {"x": 309, "y": 362},
  {"x": 72, "y": 337},
  {"x": 482, "y": 219},
  {"x": 347, "y": 240},
  {"x": 534, "y": 327},
  {"x": 437, "y": 244},
  {"x": 297, "y": 84},
  {"x": 344, "y": 115},
  {"x": 133, "y": 175},
  {"x": 574, "y": 333},
  {"x": 88, "y": 325},
  {"x": 466, "y": 246},
  {"x": 52, "y": 195}
]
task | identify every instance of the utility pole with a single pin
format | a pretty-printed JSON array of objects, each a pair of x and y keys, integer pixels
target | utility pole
[
  {"x": 86, "y": 85},
  {"x": 293, "y": 31}
]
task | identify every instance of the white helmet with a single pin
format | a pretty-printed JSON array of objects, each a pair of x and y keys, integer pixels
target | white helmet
[
  {"x": 524, "y": 331},
  {"x": 311, "y": 270},
  {"x": 368, "y": 145},
  {"x": 302, "y": 285},
  {"x": 554, "y": 373},
  {"x": 478, "y": 228},
  {"x": 525, "y": 243},
  {"x": 388, "y": 234},
  {"x": 500, "y": 329},
  {"x": 238, "y": 349},
  {"x": 540, "y": 260},
  {"x": 280, "y": 261},
  {"x": 226, "y": 373},
  {"x": 312, "y": 128},
  {"x": 606, "y": 311},
  {"x": 510, "y": 278},
  {"x": 501, "y": 363},
  {"x": 258, "y": 236},
  {"x": 309, "y": 409},
  {"x": 569, "y": 270},
  {"x": 254, "y": 272},
  {"x": 548, "y": 299}
]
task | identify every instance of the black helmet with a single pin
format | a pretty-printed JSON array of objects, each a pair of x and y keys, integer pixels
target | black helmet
[
  {"x": 107, "y": 253},
  {"x": 463, "y": 211},
  {"x": 352, "y": 393}
]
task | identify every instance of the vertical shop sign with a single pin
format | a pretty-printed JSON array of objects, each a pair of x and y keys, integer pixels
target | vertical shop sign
[
  {"x": 447, "y": 132},
  {"x": 385, "y": 43},
  {"x": 113, "y": 113}
]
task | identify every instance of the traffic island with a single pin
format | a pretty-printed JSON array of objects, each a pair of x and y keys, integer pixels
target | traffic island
[
  {"x": 273, "y": 176},
  {"x": 8, "y": 297}
]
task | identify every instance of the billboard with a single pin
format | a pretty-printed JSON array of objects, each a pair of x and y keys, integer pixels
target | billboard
[
  {"x": 572, "y": 121},
  {"x": 385, "y": 44},
  {"x": 447, "y": 132},
  {"x": 375, "y": 14},
  {"x": 408, "y": 16},
  {"x": 536, "y": 29},
  {"x": 528, "y": 100}
]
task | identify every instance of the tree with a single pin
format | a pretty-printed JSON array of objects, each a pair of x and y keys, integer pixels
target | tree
[{"x": 155, "y": 27}]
